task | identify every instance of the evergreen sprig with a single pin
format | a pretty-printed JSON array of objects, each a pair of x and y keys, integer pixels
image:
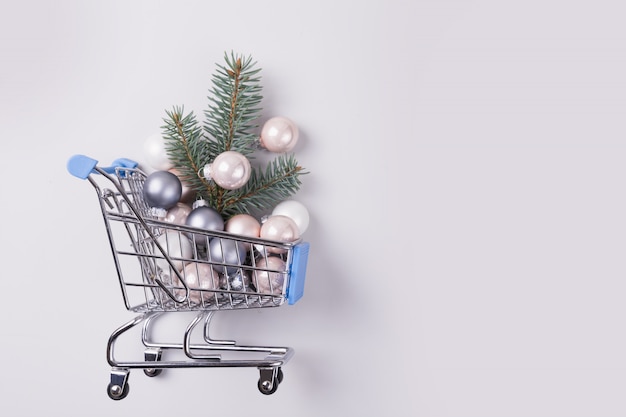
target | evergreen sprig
[
  {"x": 184, "y": 145},
  {"x": 234, "y": 107},
  {"x": 278, "y": 181}
]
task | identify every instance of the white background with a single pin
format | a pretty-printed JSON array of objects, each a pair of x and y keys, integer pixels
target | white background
[{"x": 466, "y": 193}]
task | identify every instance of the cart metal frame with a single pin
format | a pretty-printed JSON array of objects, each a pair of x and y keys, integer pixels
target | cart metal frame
[{"x": 153, "y": 283}]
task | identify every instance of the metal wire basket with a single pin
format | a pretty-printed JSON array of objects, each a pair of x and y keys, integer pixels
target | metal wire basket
[{"x": 164, "y": 267}]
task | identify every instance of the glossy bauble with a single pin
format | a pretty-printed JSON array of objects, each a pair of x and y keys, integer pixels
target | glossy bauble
[
  {"x": 230, "y": 170},
  {"x": 279, "y": 228},
  {"x": 198, "y": 276},
  {"x": 187, "y": 194},
  {"x": 279, "y": 134},
  {"x": 239, "y": 281},
  {"x": 243, "y": 225},
  {"x": 296, "y": 211},
  {"x": 155, "y": 153},
  {"x": 177, "y": 214},
  {"x": 176, "y": 245},
  {"x": 226, "y": 251},
  {"x": 271, "y": 276}
]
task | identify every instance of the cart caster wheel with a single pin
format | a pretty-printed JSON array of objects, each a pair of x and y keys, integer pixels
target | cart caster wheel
[
  {"x": 268, "y": 387},
  {"x": 152, "y": 355},
  {"x": 152, "y": 372},
  {"x": 116, "y": 392}
]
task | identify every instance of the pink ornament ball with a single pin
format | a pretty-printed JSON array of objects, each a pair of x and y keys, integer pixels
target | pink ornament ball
[
  {"x": 279, "y": 228},
  {"x": 279, "y": 134},
  {"x": 178, "y": 214},
  {"x": 230, "y": 170},
  {"x": 295, "y": 211},
  {"x": 270, "y": 278},
  {"x": 198, "y": 276},
  {"x": 243, "y": 225},
  {"x": 187, "y": 193}
]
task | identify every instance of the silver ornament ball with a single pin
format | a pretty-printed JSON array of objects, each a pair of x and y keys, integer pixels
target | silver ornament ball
[
  {"x": 239, "y": 281},
  {"x": 162, "y": 189},
  {"x": 226, "y": 251},
  {"x": 204, "y": 217}
]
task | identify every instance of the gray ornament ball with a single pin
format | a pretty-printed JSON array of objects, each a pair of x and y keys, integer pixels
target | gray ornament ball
[
  {"x": 226, "y": 251},
  {"x": 162, "y": 189},
  {"x": 204, "y": 217}
]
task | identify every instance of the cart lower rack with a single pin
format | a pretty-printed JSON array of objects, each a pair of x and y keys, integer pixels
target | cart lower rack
[{"x": 164, "y": 268}]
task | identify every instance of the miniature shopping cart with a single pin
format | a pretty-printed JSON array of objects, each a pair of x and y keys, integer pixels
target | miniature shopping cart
[{"x": 154, "y": 277}]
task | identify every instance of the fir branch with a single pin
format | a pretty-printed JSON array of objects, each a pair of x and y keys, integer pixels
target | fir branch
[
  {"x": 264, "y": 189},
  {"x": 234, "y": 106},
  {"x": 230, "y": 124},
  {"x": 233, "y": 109},
  {"x": 186, "y": 150}
]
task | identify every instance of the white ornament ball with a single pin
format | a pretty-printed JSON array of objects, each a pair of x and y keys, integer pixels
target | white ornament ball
[
  {"x": 270, "y": 278},
  {"x": 230, "y": 170},
  {"x": 279, "y": 134},
  {"x": 176, "y": 245},
  {"x": 156, "y": 154},
  {"x": 296, "y": 211},
  {"x": 279, "y": 228}
]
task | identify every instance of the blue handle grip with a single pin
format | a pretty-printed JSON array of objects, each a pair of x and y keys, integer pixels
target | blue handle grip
[
  {"x": 82, "y": 166},
  {"x": 295, "y": 290}
]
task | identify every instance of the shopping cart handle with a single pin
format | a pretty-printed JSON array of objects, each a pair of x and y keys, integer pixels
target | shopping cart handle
[
  {"x": 299, "y": 259},
  {"x": 82, "y": 166}
]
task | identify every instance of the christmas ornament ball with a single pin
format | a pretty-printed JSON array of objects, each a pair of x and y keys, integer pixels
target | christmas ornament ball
[
  {"x": 279, "y": 134},
  {"x": 296, "y": 211},
  {"x": 226, "y": 251},
  {"x": 187, "y": 194},
  {"x": 279, "y": 228},
  {"x": 204, "y": 217},
  {"x": 177, "y": 214},
  {"x": 230, "y": 170},
  {"x": 176, "y": 245},
  {"x": 198, "y": 276},
  {"x": 155, "y": 153},
  {"x": 243, "y": 225},
  {"x": 162, "y": 189},
  {"x": 239, "y": 281},
  {"x": 267, "y": 280}
]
